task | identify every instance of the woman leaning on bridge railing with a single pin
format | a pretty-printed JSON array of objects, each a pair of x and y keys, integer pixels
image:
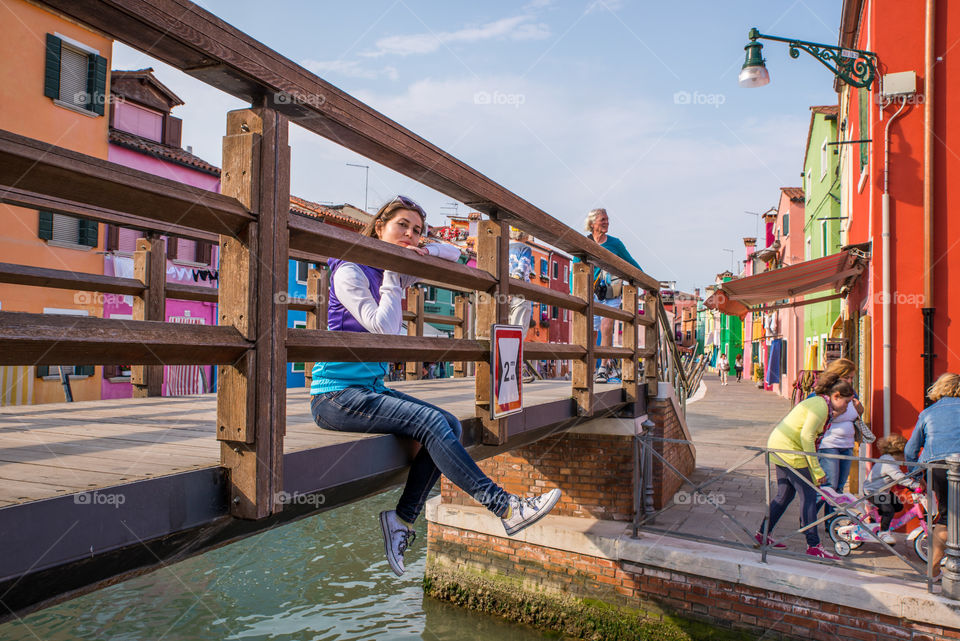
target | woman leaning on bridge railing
[
  {"x": 937, "y": 433},
  {"x": 351, "y": 397}
]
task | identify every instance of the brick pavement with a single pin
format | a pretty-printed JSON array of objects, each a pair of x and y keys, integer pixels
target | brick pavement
[{"x": 721, "y": 423}]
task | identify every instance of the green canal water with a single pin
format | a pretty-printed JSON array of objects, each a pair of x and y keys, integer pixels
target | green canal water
[{"x": 319, "y": 579}]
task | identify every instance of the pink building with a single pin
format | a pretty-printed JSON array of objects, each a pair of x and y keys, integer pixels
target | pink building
[
  {"x": 788, "y": 229},
  {"x": 145, "y": 136}
]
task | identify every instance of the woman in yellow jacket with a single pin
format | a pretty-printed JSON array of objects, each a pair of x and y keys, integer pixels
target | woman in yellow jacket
[{"x": 799, "y": 431}]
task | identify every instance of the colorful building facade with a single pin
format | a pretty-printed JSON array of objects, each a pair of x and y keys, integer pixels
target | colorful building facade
[{"x": 56, "y": 80}]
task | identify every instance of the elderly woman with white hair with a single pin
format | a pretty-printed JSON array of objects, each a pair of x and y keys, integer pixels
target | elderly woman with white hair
[{"x": 596, "y": 226}]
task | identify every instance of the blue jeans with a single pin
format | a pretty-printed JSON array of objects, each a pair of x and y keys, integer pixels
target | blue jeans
[
  {"x": 837, "y": 470},
  {"x": 789, "y": 484},
  {"x": 363, "y": 410}
]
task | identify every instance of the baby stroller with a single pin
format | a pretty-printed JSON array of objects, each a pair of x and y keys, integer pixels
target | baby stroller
[{"x": 849, "y": 534}]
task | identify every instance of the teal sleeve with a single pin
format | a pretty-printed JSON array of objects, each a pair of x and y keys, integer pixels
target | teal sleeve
[{"x": 616, "y": 246}]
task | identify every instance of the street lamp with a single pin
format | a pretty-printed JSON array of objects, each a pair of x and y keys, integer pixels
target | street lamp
[
  {"x": 855, "y": 67},
  {"x": 366, "y": 182}
]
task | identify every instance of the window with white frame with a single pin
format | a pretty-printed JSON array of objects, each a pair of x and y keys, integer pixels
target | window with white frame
[
  {"x": 824, "y": 239},
  {"x": 298, "y": 368},
  {"x": 75, "y": 75},
  {"x": 73, "y": 371},
  {"x": 823, "y": 159}
]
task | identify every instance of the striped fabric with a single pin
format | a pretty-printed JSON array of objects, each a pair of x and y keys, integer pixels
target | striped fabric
[
  {"x": 16, "y": 385},
  {"x": 182, "y": 380}
]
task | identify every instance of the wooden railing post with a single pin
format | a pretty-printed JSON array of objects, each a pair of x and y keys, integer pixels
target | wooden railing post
[
  {"x": 251, "y": 393},
  {"x": 651, "y": 343},
  {"x": 489, "y": 243},
  {"x": 459, "y": 331},
  {"x": 628, "y": 372},
  {"x": 582, "y": 335},
  {"x": 150, "y": 268},
  {"x": 414, "y": 369},
  {"x": 318, "y": 291}
]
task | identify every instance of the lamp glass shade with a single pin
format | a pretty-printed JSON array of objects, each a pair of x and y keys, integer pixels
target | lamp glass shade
[{"x": 757, "y": 76}]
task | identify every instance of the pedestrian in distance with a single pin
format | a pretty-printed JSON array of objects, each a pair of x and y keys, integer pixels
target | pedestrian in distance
[
  {"x": 935, "y": 437},
  {"x": 738, "y": 366},
  {"x": 799, "y": 473},
  {"x": 351, "y": 397},
  {"x": 607, "y": 289},
  {"x": 723, "y": 365}
]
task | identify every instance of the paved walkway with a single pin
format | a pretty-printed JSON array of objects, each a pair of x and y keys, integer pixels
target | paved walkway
[{"x": 721, "y": 423}]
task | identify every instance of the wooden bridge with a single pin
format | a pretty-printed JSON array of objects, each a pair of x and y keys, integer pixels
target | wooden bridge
[{"x": 94, "y": 492}]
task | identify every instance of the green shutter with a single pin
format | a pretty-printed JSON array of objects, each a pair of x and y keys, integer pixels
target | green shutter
[
  {"x": 45, "y": 231},
  {"x": 84, "y": 370},
  {"x": 51, "y": 76},
  {"x": 89, "y": 230},
  {"x": 43, "y": 370},
  {"x": 96, "y": 83}
]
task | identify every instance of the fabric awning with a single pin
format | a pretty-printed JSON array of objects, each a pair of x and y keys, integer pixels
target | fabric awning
[{"x": 736, "y": 297}]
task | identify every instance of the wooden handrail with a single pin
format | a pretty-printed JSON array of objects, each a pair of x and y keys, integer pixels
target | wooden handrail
[
  {"x": 35, "y": 166},
  {"x": 51, "y": 339},
  {"x": 197, "y": 42}
]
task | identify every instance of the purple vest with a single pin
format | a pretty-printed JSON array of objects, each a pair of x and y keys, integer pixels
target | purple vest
[{"x": 338, "y": 317}]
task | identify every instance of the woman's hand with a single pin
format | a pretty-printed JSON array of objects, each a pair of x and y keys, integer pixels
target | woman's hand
[{"x": 420, "y": 250}]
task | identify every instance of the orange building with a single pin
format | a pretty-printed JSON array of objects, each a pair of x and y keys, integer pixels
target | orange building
[
  {"x": 911, "y": 113},
  {"x": 55, "y": 85}
]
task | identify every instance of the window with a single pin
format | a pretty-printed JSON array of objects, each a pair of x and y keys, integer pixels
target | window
[
  {"x": 556, "y": 270},
  {"x": 430, "y": 294},
  {"x": 824, "y": 244},
  {"x": 184, "y": 250},
  {"x": 823, "y": 159},
  {"x": 566, "y": 276},
  {"x": 75, "y": 76},
  {"x": 299, "y": 324},
  {"x": 543, "y": 268},
  {"x": 786, "y": 224},
  {"x": 809, "y": 249},
  {"x": 68, "y": 230},
  {"x": 555, "y": 311},
  {"x": 53, "y": 371},
  {"x": 138, "y": 120}
]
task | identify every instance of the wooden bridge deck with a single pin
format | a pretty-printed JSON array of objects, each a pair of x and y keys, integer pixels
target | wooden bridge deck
[{"x": 91, "y": 492}]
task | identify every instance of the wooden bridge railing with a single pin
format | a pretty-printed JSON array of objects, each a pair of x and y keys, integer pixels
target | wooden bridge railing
[{"x": 257, "y": 235}]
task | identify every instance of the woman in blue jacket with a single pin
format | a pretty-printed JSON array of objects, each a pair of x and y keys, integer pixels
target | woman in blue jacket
[
  {"x": 937, "y": 434},
  {"x": 351, "y": 397}
]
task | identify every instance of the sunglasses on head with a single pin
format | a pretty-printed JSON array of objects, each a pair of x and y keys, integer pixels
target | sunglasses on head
[{"x": 409, "y": 204}]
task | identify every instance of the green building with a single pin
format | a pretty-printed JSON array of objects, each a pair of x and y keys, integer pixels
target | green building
[{"x": 822, "y": 228}]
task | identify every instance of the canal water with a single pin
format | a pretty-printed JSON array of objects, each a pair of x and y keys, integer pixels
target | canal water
[{"x": 320, "y": 579}]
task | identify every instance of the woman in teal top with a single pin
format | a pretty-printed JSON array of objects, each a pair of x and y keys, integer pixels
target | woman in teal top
[{"x": 597, "y": 224}]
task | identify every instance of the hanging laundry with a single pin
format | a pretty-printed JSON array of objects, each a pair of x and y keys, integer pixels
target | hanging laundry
[{"x": 772, "y": 371}]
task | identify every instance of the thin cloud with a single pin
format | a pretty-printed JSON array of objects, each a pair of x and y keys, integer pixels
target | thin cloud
[
  {"x": 349, "y": 69},
  {"x": 513, "y": 28}
]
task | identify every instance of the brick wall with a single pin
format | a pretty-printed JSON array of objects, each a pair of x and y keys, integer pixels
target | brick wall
[
  {"x": 665, "y": 481},
  {"x": 595, "y": 472},
  {"x": 659, "y": 593}
]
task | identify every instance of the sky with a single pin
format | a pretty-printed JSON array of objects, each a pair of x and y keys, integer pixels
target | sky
[{"x": 571, "y": 104}]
